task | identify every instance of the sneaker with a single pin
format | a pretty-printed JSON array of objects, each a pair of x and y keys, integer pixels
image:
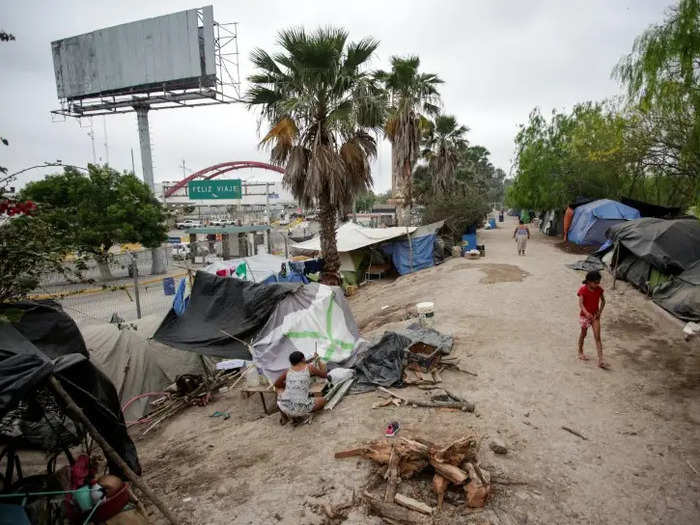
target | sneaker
[{"x": 392, "y": 429}]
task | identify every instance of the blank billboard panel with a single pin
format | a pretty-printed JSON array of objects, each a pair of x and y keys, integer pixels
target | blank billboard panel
[{"x": 174, "y": 51}]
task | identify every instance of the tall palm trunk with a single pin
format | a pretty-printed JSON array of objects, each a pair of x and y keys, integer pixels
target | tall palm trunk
[
  {"x": 403, "y": 210},
  {"x": 329, "y": 247}
]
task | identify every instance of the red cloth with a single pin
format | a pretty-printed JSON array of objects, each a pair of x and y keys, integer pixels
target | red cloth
[
  {"x": 591, "y": 299},
  {"x": 568, "y": 217}
]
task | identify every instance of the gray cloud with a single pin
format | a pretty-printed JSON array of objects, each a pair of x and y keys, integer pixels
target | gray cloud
[{"x": 499, "y": 59}]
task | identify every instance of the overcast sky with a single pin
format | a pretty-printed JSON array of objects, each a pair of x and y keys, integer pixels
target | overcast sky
[{"x": 499, "y": 59}]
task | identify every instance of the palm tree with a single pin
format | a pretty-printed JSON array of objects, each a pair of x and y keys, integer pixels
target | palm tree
[
  {"x": 412, "y": 95},
  {"x": 444, "y": 144},
  {"x": 322, "y": 107}
]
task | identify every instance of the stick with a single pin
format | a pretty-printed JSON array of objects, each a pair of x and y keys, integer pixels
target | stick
[
  {"x": 413, "y": 504},
  {"x": 392, "y": 476},
  {"x": 350, "y": 453},
  {"x": 578, "y": 434},
  {"x": 387, "y": 391},
  {"x": 691, "y": 466},
  {"x": 393, "y": 512},
  {"x": 74, "y": 410}
]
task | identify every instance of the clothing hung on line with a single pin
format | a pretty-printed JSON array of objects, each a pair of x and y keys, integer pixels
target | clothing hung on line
[{"x": 295, "y": 400}]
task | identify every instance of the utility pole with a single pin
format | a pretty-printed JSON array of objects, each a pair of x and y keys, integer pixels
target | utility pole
[
  {"x": 133, "y": 166},
  {"x": 145, "y": 142},
  {"x": 136, "y": 284}
]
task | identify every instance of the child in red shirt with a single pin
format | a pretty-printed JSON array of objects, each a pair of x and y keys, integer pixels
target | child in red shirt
[{"x": 591, "y": 301}]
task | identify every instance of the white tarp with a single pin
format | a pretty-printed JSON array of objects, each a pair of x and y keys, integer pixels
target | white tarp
[
  {"x": 351, "y": 236},
  {"x": 261, "y": 266},
  {"x": 315, "y": 318}
]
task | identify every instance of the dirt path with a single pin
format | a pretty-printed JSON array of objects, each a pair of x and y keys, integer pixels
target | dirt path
[{"x": 515, "y": 323}]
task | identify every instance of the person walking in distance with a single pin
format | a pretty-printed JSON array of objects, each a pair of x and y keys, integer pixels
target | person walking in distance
[
  {"x": 591, "y": 302},
  {"x": 521, "y": 235}
]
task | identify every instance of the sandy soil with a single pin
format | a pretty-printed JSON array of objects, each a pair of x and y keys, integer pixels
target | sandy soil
[{"x": 515, "y": 323}]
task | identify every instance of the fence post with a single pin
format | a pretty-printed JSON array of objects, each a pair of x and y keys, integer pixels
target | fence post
[{"x": 136, "y": 285}]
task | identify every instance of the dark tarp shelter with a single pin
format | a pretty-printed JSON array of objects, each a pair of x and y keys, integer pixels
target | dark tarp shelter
[
  {"x": 38, "y": 340},
  {"x": 651, "y": 210},
  {"x": 681, "y": 296},
  {"x": 671, "y": 246},
  {"x": 216, "y": 304}
]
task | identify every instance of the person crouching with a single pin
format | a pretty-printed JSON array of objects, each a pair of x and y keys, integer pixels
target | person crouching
[{"x": 293, "y": 388}]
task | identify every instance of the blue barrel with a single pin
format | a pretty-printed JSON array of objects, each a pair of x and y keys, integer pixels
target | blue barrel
[
  {"x": 470, "y": 239},
  {"x": 492, "y": 223}
]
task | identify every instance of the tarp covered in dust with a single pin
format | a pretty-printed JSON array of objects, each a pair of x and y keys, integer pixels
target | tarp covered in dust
[
  {"x": 351, "y": 236},
  {"x": 681, "y": 296},
  {"x": 39, "y": 341},
  {"x": 314, "y": 318},
  {"x": 384, "y": 361},
  {"x": 217, "y": 305},
  {"x": 137, "y": 364}
]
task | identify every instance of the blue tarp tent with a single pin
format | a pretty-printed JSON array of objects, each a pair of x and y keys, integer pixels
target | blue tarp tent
[
  {"x": 592, "y": 220},
  {"x": 400, "y": 252}
]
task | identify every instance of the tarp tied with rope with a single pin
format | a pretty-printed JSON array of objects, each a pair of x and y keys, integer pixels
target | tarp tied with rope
[{"x": 315, "y": 318}]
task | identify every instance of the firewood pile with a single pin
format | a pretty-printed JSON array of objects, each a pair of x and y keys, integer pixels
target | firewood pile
[{"x": 453, "y": 463}]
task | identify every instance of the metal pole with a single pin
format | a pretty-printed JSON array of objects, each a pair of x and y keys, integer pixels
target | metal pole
[
  {"x": 145, "y": 142},
  {"x": 136, "y": 285},
  {"x": 91, "y": 134},
  {"x": 104, "y": 127},
  {"x": 133, "y": 166}
]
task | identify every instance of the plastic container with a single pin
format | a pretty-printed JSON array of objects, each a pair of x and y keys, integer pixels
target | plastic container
[
  {"x": 470, "y": 240},
  {"x": 426, "y": 316},
  {"x": 492, "y": 222}
]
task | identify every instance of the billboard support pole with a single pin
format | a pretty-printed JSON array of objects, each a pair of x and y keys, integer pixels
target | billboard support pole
[{"x": 145, "y": 142}]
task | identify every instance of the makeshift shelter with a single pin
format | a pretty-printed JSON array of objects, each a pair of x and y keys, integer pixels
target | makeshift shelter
[
  {"x": 649, "y": 252},
  {"x": 137, "y": 364},
  {"x": 415, "y": 252},
  {"x": 592, "y": 220},
  {"x": 313, "y": 319},
  {"x": 652, "y": 210},
  {"x": 257, "y": 267},
  {"x": 222, "y": 317},
  {"x": 351, "y": 236},
  {"x": 37, "y": 341},
  {"x": 553, "y": 223},
  {"x": 681, "y": 295}
]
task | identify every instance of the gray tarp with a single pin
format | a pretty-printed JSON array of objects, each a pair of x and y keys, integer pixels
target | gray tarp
[
  {"x": 670, "y": 246},
  {"x": 681, "y": 296},
  {"x": 137, "y": 364},
  {"x": 588, "y": 264}
]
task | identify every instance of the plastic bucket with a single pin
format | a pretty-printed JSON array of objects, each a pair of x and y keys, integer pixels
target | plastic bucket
[{"x": 426, "y": 315}]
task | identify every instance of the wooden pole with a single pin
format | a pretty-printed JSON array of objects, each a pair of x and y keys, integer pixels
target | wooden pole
[{"x": 76, "y": 412}]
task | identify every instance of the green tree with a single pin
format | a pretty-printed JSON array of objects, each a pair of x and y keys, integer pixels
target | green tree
[
  {"x": 662, "y": 77},
  {"x": 94, "y": 212},
  {"x": 412, "y": 97},
  {"x": 322, "y": 107},
  {"x": 365, "y": 201},
  {"x": 445, "y": 142}
]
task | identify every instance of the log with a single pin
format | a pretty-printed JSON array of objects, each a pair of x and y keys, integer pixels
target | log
[
  {"x": 392, "y": 476},
  {"x": 77, "y": 413},
  {"x": 440, "y": 485},
  {"x": 350, "y": 453},
  {"x": 457, "y": 452},
  {"x": 415, "y": 445},
  {"x": 394, "y": 512},
  {"x": 453, "y": 474},
  {"x": 413, "y": 504}
]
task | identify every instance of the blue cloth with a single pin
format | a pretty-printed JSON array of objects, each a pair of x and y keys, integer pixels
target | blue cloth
[
  {"x": 169, "y": 286},
  {"x": 297, "y": 267},
  {"x": 401, "y": 253},
  {"x": 470, "y": 239},
  {"x": 180, "y": 301},
  {"x": 593, "y": 219},
  {"x": 291, "y": 277}
]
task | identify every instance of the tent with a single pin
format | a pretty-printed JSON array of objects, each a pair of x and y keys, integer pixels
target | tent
[
  {"x": 137, "y": 364},
  {"x": 651, "y": 210},
  {"x": 222, "y": 316},
  {"x": 592, "y": 220},
  {"x": 258, "y": 267},
  {"x": 313, "y": 319},
  {"x": 38, "y": 340},
  {"x": 416, "y": 252},
  {"x": 351, "y": 236},
  {"x": 681, "y": 295},
  {"x": 671, "y": 246},
  {"x": 553, "y": 223}
]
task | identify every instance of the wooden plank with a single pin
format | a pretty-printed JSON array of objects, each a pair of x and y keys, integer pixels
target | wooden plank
[
  {"x": 394, "y": 512},
  {"x": 413, "y": 504},
  {"x": 453, "y": 474},
  {"x": 392, "y": 475}
]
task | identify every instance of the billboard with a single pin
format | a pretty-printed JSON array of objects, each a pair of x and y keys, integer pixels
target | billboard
[
  {"x": 214, "y": 189},
  {"x": 174, "y": 51}
]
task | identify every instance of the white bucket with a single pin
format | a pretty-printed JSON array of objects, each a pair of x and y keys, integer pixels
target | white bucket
[{"x": 425, "y": 314}]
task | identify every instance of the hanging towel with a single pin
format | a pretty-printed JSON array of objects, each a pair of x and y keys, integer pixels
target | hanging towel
[{"x": 181, "y": 297}]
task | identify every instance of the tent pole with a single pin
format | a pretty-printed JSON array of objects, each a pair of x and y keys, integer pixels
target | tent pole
[{"x": 77, "y": 414}]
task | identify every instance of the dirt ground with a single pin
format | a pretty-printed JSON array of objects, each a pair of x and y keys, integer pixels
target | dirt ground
[{"x": 515, "y": 322}]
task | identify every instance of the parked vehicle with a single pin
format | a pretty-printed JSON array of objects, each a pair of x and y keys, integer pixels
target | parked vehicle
[
  {"x": 188, "y": 223},
  {"x": 180, "y": 252}
]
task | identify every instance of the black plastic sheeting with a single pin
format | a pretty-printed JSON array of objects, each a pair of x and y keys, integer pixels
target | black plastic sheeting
[
  {"x": 239, "y": 308},
  {"x": 681, "y": 296},
  {"x": 671, "y": 246},
  {"x": 383, "y": 363},
  {"x": 589, "y": 264},
  {"x": 651, "y": 210},
  {"x": 38, "y": 340}
]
